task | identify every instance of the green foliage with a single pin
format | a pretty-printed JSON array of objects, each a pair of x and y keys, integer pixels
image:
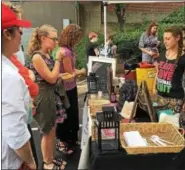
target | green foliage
[
  {"x": 127, "y": 41},
  {"x": 176, "y": 17},
  {"x": 80, "y": 50},
  {"x": 54, "y": 52}
]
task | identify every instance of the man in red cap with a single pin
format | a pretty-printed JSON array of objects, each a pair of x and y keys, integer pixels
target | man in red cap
[{"x": 16, "y": 150}]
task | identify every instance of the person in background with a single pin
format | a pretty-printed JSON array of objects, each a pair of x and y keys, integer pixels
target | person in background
[
  {"x": 148, "y": 44},
  {"x": 16, "y": 149},
  {"x": 170, "y": 71},
  {"x": 67, "y": 133},
  {"x": 43, "y": 41},
  {"x": 29, "y": 79},
  {"x": 92, "y": 47},
  {"x": 109, "y": 49}
]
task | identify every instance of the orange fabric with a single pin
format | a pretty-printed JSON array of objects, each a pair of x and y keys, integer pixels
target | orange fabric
[{"x": 24, "y": 72}]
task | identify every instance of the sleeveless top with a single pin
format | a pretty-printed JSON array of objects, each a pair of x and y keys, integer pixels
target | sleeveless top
[
  {"x": 60, "y": 108},
  {"x": 69, "y": 84},
  {"x": 50, "y": 63}
]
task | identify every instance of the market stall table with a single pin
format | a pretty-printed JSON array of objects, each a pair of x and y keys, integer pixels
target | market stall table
[
  {"x": 122, "y": 161},
  {"x": 92, "y": 159}
]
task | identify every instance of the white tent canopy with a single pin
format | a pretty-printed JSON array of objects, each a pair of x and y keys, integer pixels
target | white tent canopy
[{"x": 121, "y": 2}]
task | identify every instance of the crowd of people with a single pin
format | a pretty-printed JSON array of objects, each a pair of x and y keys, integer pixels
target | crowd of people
[{"x": 40, "y": 91}]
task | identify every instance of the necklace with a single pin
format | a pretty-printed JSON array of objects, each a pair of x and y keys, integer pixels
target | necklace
[{"x": 171, "y": 56}]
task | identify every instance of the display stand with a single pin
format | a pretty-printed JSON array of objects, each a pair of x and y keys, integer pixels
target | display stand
[{"x": 143, "y": 100}]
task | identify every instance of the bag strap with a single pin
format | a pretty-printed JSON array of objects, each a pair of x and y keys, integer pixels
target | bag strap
[{"x": 40, "y": 53}]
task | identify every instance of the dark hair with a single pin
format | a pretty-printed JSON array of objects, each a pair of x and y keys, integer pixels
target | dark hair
[
  {"x": 11, "y": 30},
  {"x": 176, "y": 31},
  {"x": 153, "y": 24},
  {"x": 70, "y": 36},
  {"x": 110, "y": 37}
]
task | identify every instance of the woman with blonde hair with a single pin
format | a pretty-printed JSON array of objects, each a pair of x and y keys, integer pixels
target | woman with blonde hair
[
  {"x": 46, "y": 70},
  {"x": 67, "y": 133}
]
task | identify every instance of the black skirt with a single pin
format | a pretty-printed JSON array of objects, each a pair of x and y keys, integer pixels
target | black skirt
[{"x": 68, "y": 131}]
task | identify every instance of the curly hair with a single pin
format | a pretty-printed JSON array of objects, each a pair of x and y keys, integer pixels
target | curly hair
[
  {"x": 176, "y": 31},
  {"x": 34, "y": 43},
  {"x": 15, "y": 8},
  {"x": 70, "y": 36},
  {"x": 153, "y": 24}
]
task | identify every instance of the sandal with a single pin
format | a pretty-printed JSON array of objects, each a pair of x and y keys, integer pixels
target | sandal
[
  {"x": 55, "y": 166},
  {"x": 59, "y": 161},
  {"x": 63, "y": 147}
]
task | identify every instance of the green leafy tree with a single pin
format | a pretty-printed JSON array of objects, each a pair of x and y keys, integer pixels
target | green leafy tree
[{"x": 176, "y": 17}]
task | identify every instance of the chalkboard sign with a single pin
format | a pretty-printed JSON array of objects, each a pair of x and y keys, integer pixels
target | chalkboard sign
[
  {"x": 100, "y": 66},
  {"x": 143, "y": 100}
]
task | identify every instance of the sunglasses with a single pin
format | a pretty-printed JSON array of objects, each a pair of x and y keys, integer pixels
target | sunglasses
[
  {"x": 55, "y": 39},
  {"x": 15, "y": 28}
]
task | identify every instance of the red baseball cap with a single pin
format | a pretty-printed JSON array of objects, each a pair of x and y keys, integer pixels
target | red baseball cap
[{"x": 9, "y": 19}]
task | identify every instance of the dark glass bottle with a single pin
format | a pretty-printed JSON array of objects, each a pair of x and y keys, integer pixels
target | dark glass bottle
[{"x": 113, "y": 95}]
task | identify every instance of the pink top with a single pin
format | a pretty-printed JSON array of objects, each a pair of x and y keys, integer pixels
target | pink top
[{"x": 69, "y": 84}]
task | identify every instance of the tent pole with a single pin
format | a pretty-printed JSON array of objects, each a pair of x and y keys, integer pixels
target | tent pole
[{"x": 105, "y": 4}]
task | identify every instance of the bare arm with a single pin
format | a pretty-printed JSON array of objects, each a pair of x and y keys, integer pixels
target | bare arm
[
  {"x": 144, "y": 50},
  {"x": 25, "y": 153},
  {"x": 31, "y": 75},
  {"x": 43, "y": 70},
  {"x": 14, "y": 116},
  {"x": 96, "y": 51},
  {"x": 80, "y": 72},
  {"x": 155, "y": 80}
]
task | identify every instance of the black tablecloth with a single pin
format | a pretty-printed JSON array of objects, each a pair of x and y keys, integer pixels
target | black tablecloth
[{"x": 119, "y": 160}]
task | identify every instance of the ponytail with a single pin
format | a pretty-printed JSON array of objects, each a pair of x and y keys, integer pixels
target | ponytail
[
  {"x": 176, "y": 31},
  {"x": 34, "y": 43}
]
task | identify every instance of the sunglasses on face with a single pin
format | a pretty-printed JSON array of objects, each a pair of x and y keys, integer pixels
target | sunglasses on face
[
  {"x": 15, "y": 28},
  {"x": 55, "y": 39}
]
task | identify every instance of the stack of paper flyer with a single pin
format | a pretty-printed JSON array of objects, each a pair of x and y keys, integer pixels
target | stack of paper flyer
[{"x": 134, "y": 139}]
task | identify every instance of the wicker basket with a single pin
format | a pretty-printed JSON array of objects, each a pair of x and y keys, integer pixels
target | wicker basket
[
  {"x": 96, "y": 105},
  {"x": 164, "y": 130}
]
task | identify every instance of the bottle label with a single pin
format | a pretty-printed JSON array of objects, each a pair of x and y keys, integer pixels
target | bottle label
[{"x": 113, "y": 98}]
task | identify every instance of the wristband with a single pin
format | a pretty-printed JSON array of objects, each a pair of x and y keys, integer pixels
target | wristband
[{"x": 57, "y": 60}]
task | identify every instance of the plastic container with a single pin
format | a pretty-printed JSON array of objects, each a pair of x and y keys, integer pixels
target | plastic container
[{"x": 146, "y": 74}]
